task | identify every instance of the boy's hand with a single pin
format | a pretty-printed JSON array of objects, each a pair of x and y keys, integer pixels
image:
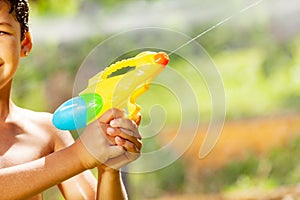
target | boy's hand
[
  {"x": 126, "y": 134},
  {"x": 94, "y": 146},
  {"x": 112, "y": 140}
]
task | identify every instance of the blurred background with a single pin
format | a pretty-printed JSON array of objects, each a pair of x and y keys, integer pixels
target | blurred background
[{"x": 257, "y": 54}]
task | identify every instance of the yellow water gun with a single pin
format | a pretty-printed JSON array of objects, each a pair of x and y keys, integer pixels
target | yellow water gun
[{"x": 117, "y": 86}]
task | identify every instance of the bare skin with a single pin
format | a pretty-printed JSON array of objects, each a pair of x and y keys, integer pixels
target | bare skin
[
  {"x": 28, "y": 137},
  {"x": 34, "y": 155}
]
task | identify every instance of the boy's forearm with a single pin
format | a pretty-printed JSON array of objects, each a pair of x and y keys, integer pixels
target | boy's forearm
[
  {"x": 26, "y": 180},
  {"x": 110, "y": 185}
]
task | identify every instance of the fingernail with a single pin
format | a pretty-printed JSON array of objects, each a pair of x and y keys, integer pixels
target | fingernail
[
  {"x": 113, "y": 123},
  {"x": 110, "y": 131},
  {"x": 119, "y": 141}
]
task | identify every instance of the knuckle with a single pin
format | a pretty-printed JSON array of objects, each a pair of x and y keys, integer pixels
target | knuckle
[{"x": 130, "y": 145}]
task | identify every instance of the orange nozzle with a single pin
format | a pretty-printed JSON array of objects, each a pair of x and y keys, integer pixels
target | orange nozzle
[{"x": 161, "y": 58}]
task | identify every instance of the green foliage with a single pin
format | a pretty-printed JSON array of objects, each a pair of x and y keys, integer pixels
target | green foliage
[
  {"x": 277, "y": 57},
  {"x": 55, "y": 7},
  {"x": 53, "y": 193},
  {"x": 231, "y": 173},
  {"x": 279, "y": 167},
  {"x": 153, "y": 184},
  {"x": 285, "y": 163},
  {"x": 244, "y": 77},
  {"x": 110, "y": 3},
  {"x": 68, "y": 7},
  {"x": 44, "y": 61}
]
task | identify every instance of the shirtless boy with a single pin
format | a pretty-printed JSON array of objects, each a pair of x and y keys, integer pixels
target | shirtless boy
[{"x": 34, "y": 155}]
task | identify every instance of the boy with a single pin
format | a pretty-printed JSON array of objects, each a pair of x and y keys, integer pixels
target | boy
[{"x": 34, "y": 155}]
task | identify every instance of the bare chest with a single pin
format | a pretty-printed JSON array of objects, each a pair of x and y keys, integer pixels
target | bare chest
[{"x": 17, "y": 147}]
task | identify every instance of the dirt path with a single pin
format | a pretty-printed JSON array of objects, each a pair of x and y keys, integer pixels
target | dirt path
[{"x": 238, "y": 139}]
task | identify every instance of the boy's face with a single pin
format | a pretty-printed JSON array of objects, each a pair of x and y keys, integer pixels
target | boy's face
[{"x": 10, "y": 44}]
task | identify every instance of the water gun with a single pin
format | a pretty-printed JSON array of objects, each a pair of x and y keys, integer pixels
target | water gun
[{"x": 117, "y": 86}]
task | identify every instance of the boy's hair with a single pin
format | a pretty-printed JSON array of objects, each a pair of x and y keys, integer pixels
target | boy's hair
[{"x": 20, "y": 10}]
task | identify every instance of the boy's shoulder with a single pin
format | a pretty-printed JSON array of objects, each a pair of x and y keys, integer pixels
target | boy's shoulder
[
  {"x": 41, "y": 123},
  {"x": 40, "y": 120}
]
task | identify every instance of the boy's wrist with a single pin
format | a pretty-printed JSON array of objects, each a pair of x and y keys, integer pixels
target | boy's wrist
[
  {"x": 106, "y": 169},
  {"x": 87, "y": 161}
]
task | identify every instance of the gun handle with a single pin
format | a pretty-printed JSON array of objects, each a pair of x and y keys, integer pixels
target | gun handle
[{"x": 134, "y": 108}]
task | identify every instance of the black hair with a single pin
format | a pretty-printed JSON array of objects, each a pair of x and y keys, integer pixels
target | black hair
[{"x": 20, "y": 10}]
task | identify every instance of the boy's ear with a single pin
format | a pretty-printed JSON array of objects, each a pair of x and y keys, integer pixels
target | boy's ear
[{"x": 26, "y": 45}]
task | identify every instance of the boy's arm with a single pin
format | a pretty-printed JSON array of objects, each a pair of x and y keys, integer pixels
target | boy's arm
[
  {"x": 81, "y": 186},
  {"x": 26, "y": 180},
  {"x": 110, "y": 185},
  {"x": 123, "y": 132}
]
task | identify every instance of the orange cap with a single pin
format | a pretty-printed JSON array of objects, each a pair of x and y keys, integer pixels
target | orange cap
[{"x": 161, "y": 58}]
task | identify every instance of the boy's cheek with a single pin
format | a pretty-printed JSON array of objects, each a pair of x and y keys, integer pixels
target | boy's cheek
[
  {"x": 9, "y": 61},
  {"x": 14, "y": 55}
]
